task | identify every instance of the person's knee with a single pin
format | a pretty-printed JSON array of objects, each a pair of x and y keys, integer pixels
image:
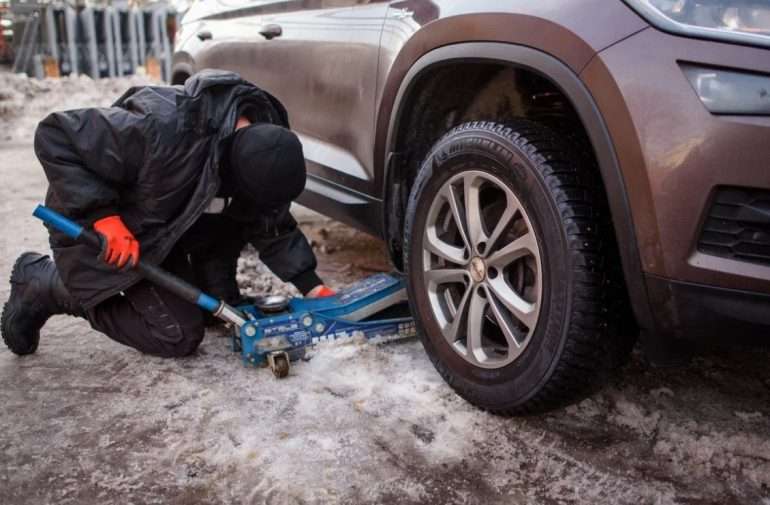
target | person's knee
[
  {"x": 193, "y": 339},
  {"x": 176, "y": 347},
  {"x": 150, "y": 323}
]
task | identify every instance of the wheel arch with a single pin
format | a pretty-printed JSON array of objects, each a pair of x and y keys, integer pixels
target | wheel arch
[{"x": 569, "y": 83}]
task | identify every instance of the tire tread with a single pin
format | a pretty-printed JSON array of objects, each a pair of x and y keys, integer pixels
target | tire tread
[{"x": 577, "y": 192}]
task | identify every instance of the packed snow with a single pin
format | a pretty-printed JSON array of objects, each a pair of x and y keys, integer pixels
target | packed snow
[{"x": 25, "y": 101}]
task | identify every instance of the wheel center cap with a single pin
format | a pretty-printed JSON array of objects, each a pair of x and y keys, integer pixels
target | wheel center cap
[{"x": 478, "y": 269}]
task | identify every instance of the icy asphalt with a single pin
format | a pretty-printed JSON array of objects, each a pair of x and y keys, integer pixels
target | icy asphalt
[{"x": 88, "y": 421}]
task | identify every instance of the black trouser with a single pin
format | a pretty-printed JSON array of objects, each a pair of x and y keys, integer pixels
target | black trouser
[
  {"x": 155, "y": 321},
  {"x": 213, "y": 245},
  {"x": 151, "y": 319}
]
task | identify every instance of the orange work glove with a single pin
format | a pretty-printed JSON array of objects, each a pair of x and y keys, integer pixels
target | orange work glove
[
  {"x": 119, "y": 243},
  {"x": 321, "y": 291}
]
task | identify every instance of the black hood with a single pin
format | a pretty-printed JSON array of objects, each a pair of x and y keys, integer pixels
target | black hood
[{"x": 265, "y": 165}]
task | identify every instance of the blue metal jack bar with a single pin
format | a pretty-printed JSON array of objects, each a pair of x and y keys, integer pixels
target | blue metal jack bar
[{"x": 152, "y": 273}]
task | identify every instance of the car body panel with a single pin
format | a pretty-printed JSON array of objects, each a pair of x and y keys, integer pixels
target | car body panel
[
  {"x": 340, "y": 75},
  {"x": 564, "y": 29},
  {"x": 674, "y": 152},
  {"x": 329, "y": 87}
]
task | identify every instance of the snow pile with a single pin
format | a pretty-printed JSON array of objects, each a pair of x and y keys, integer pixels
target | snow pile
[
  {"x": 24, "y": 101},
  {"x": 700, "y": 452},
  {"x": 357, "y": 423},
  {"x": 255, "y": 279},
  {"x": 633, "y": 416},
  {"x": 353, "y": 423},
  {"x": 350, "y": 414}
]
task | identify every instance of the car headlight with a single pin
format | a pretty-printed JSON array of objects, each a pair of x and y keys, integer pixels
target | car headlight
[{"x": 742, "y": 21}]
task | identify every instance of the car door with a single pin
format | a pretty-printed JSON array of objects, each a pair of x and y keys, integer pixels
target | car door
[
  {"x": 227, "y": 34},
  {"x": 321, "y": 62}
]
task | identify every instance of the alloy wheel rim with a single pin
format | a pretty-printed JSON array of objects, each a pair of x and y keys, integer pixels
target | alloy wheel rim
[{"x": 482, "y": 269}]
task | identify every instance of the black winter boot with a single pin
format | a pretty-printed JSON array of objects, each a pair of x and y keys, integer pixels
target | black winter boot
[{"x": 37, "y": 293}]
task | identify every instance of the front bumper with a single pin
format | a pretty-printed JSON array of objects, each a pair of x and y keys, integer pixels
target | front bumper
[
  {"x": 694, "y": 311},
  {"x": 674, "y": 155}
]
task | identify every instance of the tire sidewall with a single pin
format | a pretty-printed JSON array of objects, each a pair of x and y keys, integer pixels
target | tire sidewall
[{"x": 501, "y": 157}]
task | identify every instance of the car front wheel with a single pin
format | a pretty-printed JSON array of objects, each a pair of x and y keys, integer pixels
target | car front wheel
[{"x": 510, "y": 267}]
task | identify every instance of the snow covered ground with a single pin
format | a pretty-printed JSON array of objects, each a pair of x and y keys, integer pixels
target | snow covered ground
[
  {"x": 24, "y": 102},
  {"x": 88, "y": 421}
]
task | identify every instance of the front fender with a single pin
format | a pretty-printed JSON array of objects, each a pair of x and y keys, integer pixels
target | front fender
[
  {"x": 571, "y": 32},
  {"x": 568, "y": 81}
]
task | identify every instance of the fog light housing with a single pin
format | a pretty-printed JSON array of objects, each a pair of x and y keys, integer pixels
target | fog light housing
[{"x": 732, "y": 92}]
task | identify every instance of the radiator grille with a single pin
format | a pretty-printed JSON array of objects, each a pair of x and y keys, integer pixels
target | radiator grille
[{"x": 738, "y": 225}]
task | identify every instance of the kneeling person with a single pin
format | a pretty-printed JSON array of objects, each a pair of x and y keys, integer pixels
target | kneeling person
[{"x": 186, "y": 175}]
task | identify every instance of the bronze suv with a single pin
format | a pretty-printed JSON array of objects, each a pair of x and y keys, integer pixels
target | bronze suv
[{"x": 553, "y": 177}]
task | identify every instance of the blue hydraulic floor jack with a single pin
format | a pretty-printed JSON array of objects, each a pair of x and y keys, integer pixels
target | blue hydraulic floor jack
[{"x": 276, "y": 330}]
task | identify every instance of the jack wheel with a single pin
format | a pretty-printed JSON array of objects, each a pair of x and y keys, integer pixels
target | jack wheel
[{"x": 280, "y": 367}]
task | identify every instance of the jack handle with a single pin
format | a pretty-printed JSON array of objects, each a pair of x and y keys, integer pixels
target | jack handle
[{"x": 152, "y": 273}]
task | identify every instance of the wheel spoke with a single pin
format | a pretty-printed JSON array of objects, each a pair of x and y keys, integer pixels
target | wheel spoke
[
  {"x": 446, "y": 275},
  {"x": 473, "y": 219},
  {"x": 458, "y": 213},
  {"x": 518, "y": 248},
  {"x": 510, "y": 210},
  {"x": 451, "y": 328},
  {"x": 473, "y": 340},
  {"x": 505, "y": 324},
  {"x": 442, "y": 249},
  {"x": 520, "y": 308}
]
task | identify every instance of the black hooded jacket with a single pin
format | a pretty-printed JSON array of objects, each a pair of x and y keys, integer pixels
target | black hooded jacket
[{"x": 153, "y": 158}]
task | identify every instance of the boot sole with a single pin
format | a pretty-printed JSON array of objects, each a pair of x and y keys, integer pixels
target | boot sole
[{"x": 9, "y": 311}]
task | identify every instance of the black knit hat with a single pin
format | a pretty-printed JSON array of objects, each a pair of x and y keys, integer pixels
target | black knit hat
[{"x": 266, "y": 165}]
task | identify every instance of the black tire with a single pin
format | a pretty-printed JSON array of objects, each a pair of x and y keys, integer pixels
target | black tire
[{"x": 574, "y": 342}]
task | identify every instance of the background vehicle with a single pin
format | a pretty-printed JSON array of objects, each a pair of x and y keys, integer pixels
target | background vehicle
[{"x": 544, "y": 172}]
